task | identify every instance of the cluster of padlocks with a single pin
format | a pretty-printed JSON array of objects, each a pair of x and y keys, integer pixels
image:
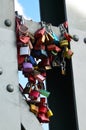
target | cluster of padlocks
[{"x": 37, "y": 53}]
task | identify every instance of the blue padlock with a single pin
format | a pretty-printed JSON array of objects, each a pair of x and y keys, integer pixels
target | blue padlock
[
  {"x": 56, "y": 39},
  {"x": 32, "y": 60}
]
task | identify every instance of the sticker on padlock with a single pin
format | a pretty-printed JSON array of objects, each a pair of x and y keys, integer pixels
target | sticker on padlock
[{"x": 24, "y": 50}]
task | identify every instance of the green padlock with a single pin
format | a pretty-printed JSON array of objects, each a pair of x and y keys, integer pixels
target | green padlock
[{"x": 44, "y": 92}]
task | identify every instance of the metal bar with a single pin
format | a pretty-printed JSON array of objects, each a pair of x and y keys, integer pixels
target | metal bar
[{"x": 62, "y": 99}]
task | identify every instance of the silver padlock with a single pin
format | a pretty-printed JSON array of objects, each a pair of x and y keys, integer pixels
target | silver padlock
[{"x": 25, "y": 50}]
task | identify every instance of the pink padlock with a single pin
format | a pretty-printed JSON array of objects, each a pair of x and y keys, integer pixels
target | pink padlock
[{"x": 39, "y": 77}]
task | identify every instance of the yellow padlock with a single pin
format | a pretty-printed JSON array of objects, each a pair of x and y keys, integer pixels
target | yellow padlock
[
  {"x": 34, "y": 108},
  {"x": 64, "y": 43},
  {"x": 49, "y": 113}
]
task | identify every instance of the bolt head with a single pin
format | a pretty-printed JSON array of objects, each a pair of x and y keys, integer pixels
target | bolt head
[
  {"x": 8, "y": 22},
  {"x": 75, "y": 38},
  {"x": 85, "y": 40},
  {"x": 1, "y": 71},
  {"x": 10, "y": 88}
]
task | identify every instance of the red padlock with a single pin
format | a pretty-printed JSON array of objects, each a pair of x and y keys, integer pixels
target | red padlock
[
  {"x": 31, "y": 79},
  {"x": 43, "y": 118},
  {"x": 40, "y": 32},
  {"x": 34, "y": 94},
  {"x": 53, "y": 47},
  {"x": 42, "y": 109}
]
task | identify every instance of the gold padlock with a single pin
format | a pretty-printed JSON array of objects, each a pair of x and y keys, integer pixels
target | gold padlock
[
  {"x": 51, "y": 38},
  {"x": 64, "y": 43},
  {"x": 40, "y": 40},
  {"x": 34, "y": 108},
  {"x": 49, "y": 113}
]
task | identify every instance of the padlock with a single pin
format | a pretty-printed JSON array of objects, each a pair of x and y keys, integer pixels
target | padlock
[
  {"x": 24, "y": 50},
  {"x": 40, "y": 40},
  {"x": 23, "y": 29},
  {"x": 50, "y": 36},
  {"x": 24, "y": 39},
  {"x": 44, "y": 92},
  {"x": 40, "y": 85},
  {"x": 67, "y": 36},
  {"x": 27, "y": 67},
  {"x": 43, "y": 53},
  {"x": 69, "y": 53},
  {"x": 56, "y": 39},
  {"x": 40, "y": 32},
  {"x": 42, "y": 100},
  {"x": 42, "y": 109},
  {"x": 32, "y": 38},
  {"x": 39, "y": 77},
  {"x": 34, "y": 94},
  {"x": 46, "y": 38},
  {"x": 49, "y": 113},
  {"x": 32, "y": 60},
  {"x": 43, "y": 118},
  {"x": 53, "y": 47},
  {"x": 64, "y": 43},
  {"x": 34, "y": 108},
  {"x": 30, "y": 44},
  {"x": 20, "y": 59}
]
